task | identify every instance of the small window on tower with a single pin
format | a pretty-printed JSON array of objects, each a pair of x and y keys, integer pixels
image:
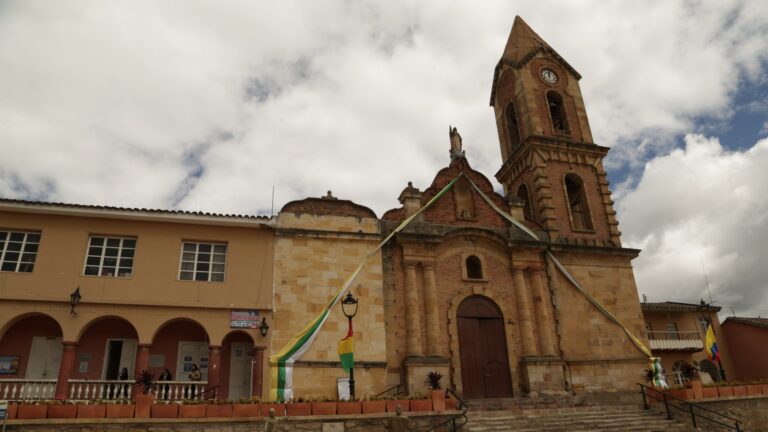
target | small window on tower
[
  {"x": 522, "y": 193},
  {"x": 513, "y": 129},
  {"x": 557, "y": 113},
  {"x": 577, "y": 203},
  {"x": 474, "y": 268}
]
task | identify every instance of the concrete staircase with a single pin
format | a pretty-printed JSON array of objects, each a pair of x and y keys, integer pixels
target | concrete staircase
[{"x": 619, "y": 418}]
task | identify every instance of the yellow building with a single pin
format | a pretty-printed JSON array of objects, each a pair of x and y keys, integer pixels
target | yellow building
[{"x": 157, "y": 290}]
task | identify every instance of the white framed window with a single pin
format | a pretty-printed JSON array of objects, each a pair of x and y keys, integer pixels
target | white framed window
[
  {"x": 110, "y": 256},
  {"x": 18, "y": 250},
  {"x": 203, "y": 261}
]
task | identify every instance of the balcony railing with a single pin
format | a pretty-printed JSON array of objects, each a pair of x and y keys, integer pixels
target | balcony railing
[
  {"x": 675, "y": 340},
  {"x": 27, "y": 389},
  {"x": 79, "y": 389}
]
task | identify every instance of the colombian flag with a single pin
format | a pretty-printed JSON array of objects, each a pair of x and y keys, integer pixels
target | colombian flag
[
  {"x": 711, "y": 345},
  {"x": 347, "y": 350}
]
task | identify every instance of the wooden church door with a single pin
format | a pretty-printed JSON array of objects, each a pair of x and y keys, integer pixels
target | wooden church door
[{"x": 483, "y": 349}]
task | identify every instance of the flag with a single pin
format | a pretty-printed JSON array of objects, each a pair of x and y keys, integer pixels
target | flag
[
  {"x": 711, "y": 344},
  {"x": 347, "y": 350}
]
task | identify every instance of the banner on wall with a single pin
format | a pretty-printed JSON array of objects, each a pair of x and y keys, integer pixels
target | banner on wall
[{"x": 244, "y": 319}]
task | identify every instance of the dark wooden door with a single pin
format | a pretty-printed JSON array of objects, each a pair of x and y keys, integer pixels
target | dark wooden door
[{"x": 483, "y": 349}]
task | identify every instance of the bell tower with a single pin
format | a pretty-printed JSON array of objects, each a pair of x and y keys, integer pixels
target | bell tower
[{"x": 549, "y": 157}]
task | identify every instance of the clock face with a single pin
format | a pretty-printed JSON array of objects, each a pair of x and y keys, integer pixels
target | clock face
[{"x": 549, "y": 76}]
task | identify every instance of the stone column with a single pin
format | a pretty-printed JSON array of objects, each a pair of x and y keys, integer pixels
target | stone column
[
  {"x": 214, "y": 369},
  {"x": 431, "y": 307},
  {"x": 412, "y": 318},
  {"x": 257, "y": 374},
  {"x": 142, "y": 359},
  {"x": 523, "y": 298},
  {"x": 65, "y": 369},
  {"x": 544, "y": 320}
]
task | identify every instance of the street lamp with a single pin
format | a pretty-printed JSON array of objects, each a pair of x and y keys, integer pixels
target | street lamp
[
  {"x": 74, "y": 299},
  {"x": 349, "y": 307},
  {"x": 263, "y": 328}
]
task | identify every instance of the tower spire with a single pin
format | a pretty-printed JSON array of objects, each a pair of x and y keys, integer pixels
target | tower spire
[{"x": 522, "y": 40}]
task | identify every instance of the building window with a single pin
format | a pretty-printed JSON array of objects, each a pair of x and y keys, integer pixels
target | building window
[
  {"x": 649, "y": 330},
  {"x": 513, "y": 128},
  {"x": 703, "y": 323},
  {"x": 203, "y": 261},
  {"x": 557, "y": 113},
  {"x": 18, "y": 251},
  {"x": 522, "y": 193},
  {"x": 672, "y": 331},
  {"x": 474, "y": 268},
  {"x": 577, "y": 203},
  {"x": 110, "y": 256}
]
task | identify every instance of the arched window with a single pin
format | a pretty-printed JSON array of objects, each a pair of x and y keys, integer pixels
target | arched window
[
  {"x": 522, "y": 193},
  {"x": 577, "y": 203},
  {"x": 474, "y": 268},
  {"x": 513, "y": 129},
  {"x": 557, "y": 113}
]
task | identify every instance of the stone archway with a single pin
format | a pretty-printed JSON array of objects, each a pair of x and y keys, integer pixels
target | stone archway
[{"x": 483, "y": 349}]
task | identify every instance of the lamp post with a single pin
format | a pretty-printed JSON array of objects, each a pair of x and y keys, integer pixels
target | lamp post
[
  {"x": 349, "y": 307},
  {"x": 74, "y": 299}
]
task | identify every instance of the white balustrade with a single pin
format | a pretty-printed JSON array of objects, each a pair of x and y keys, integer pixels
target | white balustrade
[
  {"x": 177, "y": 390},
  {"x": 100, "y": 389},
  {"x": 27, "y": 389}
]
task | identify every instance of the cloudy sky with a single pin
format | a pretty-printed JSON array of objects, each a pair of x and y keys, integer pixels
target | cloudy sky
[{"x": 209, "y": 105}]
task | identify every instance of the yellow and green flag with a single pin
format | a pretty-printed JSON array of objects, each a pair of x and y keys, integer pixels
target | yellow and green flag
[{"x": 347, "y": 350}]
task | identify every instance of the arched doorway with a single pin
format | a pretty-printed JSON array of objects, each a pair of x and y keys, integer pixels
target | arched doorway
[
  {"x": 483, "y": 349},
  {"x": 237, "y": 357}
]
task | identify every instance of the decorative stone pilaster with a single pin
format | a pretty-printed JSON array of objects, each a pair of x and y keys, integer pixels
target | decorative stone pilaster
[
  {"x": 412, "y": 317},
  {"x": 430, "y": 306},
  {"x": 544, "y": 322},
  {"x": 523, "y": 298}
]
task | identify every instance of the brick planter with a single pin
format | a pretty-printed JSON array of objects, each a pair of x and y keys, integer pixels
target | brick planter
[
  {"x": 218, "y": 411},
  {"x": 298, "y": 409},
  {"x": 709, "y": 392},
  {"x": 450, "y": 404},
  {"x": 740, "y": 390},
  {"x": 351, "y": 407},
  {"x": 374, "y": 407},
  {"x": 246, "y": 410},
  {"x": 11, "y": 414},
  {"x": 725, "y": 391},
  {"x": 422, "y": 405},
  {"x": 279, "y": 409},
  {"x": 191, "y": 411},
  {"x": 91, "y": 411},
  {"x": 120, "y": 411},
  {"x": 323, "y": 408},
  {"x": 405, "y": 405},
  {"x": 754, "y": 389},
  {"x": 165, "y": 411},
  {"x": 31, "y": 411},
  {"x": 62, "y": 411},
  {"x": 144, "y": 403}
]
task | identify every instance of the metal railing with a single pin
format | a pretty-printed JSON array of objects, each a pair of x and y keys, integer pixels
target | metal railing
[
  {"x": 394, "y": 387},
  {"x": 27, "y": 389},
  {"x": 696, "y": 411},
  {"x": 454, "y": 426}
]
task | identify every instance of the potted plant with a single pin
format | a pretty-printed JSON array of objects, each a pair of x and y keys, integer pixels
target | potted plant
[
  {"x": 62, "y": 410},
  {"x": 218, "y": 409},
  {"x": 146, "y": 398},
  {"x": 164, "y": 409},
  {"x": 33, "y": 410},
  {"x": 324, "y": 407},
  {"x": 349, "y": 407},
  {"x": 120, "y": 409},
  {"x": 246, "y": 407},
  {"x": 279, "y": 408},
  {"x": 437, "y": 392},
  {"x": 392, "y": 404},
  {"x": 191, "y": 408},
  {"x": 92, "y": 409}
]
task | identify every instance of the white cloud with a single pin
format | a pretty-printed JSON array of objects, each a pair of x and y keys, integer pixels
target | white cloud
[{"x": 702, "y": 211}]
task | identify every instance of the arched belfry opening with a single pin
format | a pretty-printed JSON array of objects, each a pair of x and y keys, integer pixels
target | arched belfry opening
[
  {"x": 581, "y": 218},
  {"x": 483, "y": 349},
  {"x": 474, "y": 267},
  {"x": 522, "y": 193},
  {"x": 557, "y": 113},
  {"x": 513, "y": 128}
]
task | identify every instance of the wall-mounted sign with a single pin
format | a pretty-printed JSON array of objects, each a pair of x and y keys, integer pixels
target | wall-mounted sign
[
  {"x": 9, "y": 365},
  {"x": 244, "y": 319}
]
